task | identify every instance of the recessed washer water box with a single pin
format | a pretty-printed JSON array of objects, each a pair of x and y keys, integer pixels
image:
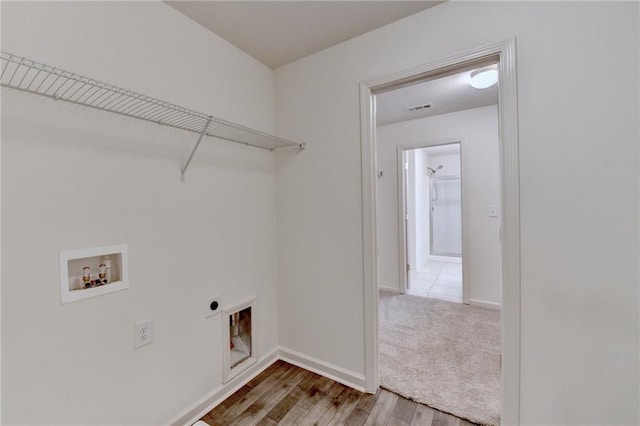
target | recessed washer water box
[
  {"x": 238, "y": 331},
  {"x": 93, "y": 272}
]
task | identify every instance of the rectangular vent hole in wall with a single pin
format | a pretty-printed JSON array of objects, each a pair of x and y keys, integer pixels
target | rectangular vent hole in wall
[
  {"x": 238, "y": 334},
  {"x": 418, "y": 107}
]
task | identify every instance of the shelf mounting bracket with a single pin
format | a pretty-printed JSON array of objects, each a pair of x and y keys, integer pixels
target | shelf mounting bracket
[{"x": 195, "y": 148}]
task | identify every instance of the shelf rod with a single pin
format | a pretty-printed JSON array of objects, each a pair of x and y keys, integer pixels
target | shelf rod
[
  {"x": 299, "y": 146},
  {"x": 195, "y": 148},
  {"x": 55, "y": 83}
]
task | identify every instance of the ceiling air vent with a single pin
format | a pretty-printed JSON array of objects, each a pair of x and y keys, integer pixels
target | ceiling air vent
[{"x": 418, "y": 107}]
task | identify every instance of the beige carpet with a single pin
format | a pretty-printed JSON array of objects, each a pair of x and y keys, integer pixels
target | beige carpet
[{"x": 442, "y": 354}]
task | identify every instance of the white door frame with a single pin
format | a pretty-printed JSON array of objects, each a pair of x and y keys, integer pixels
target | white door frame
[
  {"x": 505, "y": 53},
  {"x": 403, "y": 256},
  {"x": 403, "y": 261}
]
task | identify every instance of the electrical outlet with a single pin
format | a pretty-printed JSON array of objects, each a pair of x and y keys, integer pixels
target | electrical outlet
[
  {"x": 144, "y": 333},
  {"x": 213, "y": 306}
]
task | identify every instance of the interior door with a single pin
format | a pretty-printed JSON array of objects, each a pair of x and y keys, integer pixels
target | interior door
[{"x": 405, "y": 209}]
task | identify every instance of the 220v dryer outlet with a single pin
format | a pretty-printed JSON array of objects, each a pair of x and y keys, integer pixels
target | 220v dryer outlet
[{"x": 214, "y": 306}]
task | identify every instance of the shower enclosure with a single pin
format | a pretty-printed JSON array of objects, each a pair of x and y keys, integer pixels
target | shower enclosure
[
  {"x": 445, "y": 220},
  {"x": 430, "y": 231}
]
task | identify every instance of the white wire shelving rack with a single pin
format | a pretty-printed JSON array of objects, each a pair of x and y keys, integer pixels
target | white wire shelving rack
[{"x": 34, "y": 77}]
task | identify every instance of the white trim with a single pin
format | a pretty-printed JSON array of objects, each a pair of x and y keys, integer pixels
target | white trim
[
  {"x": 389, "y": 289},
  {"x": 422, "y": 265},
  {"x": 465, "y": 216},
  {"x": 205, "y": 404},
  {"x": 403, "y": 256},
  {"x": 444, "y": 259},
  {"x": 510, "y": 174},
  {"x": 505, "y": 51},
  {"x": 369, "y": 259},
  {"x": 402, "y": 223},
  {"x": 211, "y": 400},
  {"x": 484, "y": 304},
  {"x": 330, "y": 371}
]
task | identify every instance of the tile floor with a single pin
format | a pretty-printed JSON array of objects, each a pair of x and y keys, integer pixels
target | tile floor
[{"x": 438, "y": 280}]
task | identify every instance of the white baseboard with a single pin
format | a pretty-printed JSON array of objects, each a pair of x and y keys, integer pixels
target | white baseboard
[
  {"x": 484, "y": 304},
  {"x": 333, "y": 372},
  {"x": 423, "y": 264},
  {"x": 205, "y": 404},
  {"x": 201, "y": 407},
  {"x": 389, "y": 289},
  {"x": 445, "y": 259}
]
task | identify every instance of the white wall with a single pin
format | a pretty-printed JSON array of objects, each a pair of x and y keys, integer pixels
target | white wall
[
  {"x": 73, "y": 177},
  {"x": 451, "y": 162},
  {"x": 421, "y": 196},
  {"x": 579, "y": 329},
  {"x": 417, "y": 218},
  {"x": 412, "y": 219},
  {"x": 417, "y": 203},
  {"x": 478, "y": 130}
]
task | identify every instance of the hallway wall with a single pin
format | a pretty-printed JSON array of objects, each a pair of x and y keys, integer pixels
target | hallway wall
[
  {"x": 579, "y": 275},
  {"x": 421, "y": 196},
  {"x": 478, "y": 130}
]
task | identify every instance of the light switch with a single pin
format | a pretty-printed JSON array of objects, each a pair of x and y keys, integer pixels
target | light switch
[{"x": 493, "y": 211}]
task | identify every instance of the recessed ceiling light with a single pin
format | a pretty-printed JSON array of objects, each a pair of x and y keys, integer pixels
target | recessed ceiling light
[{"x": 483, "y": 78}]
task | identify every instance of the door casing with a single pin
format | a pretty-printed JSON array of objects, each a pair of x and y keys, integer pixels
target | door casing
[
  {"x": 403, "y": 256},
  {"x": 504, "y": 53}
]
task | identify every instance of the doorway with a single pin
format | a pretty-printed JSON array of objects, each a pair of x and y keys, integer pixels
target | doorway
[
  {"x": 432, "y": 335},
  {"x": 432, "y": 229},
  {"x": 504, "y": 54}
]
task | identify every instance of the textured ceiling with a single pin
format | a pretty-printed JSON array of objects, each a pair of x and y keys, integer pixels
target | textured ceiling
[
  {"x": 278, "y": 32},
  {"x": 445, "y": 95}
]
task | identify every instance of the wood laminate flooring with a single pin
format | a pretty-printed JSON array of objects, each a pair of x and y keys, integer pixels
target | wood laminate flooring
[{"x": 288, "y": 395}]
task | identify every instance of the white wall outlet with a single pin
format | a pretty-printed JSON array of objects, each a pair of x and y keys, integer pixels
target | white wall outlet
[
  {"x": 493, "y": 211},
  {"x": 213, "y": 307},
  {"x": 144, "y": 333}
]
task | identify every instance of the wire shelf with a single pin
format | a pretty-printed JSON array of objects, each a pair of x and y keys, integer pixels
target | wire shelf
[{"x": 41, "y": 79}]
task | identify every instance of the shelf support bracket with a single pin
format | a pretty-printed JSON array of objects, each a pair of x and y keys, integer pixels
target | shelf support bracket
[{"x": 195, "y": 148}]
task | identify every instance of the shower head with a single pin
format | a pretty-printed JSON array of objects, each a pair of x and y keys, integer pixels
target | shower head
[{"x": 434, "y": 171}]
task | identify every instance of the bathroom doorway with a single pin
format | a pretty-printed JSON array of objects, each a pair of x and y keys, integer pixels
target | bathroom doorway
[{"x": 433, "y": 231}]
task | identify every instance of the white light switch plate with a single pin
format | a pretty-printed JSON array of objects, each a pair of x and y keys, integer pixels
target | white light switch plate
[{"x": 493, "y": 211}]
